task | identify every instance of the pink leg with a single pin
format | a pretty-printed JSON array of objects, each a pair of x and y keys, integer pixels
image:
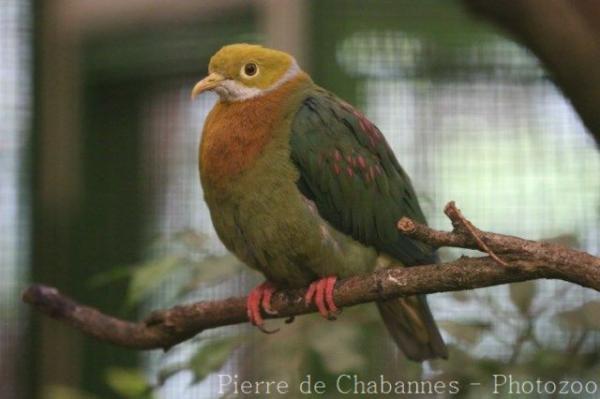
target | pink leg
[
  {"x": 320, "y": 299},
  {"x": 322, "y": 292},
  {"x": 257, "y": 298},
  {"x": 312, "y": 289},
  {"x": 329, "y": 294}
]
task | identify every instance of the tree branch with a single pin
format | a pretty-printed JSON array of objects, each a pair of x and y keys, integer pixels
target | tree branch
[{"x": 524, "y": 260}]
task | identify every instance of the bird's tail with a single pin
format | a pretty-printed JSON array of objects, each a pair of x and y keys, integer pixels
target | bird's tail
[{"x": 411, "y": 324}]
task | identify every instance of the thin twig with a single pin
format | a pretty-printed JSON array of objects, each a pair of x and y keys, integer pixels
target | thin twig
[{"x": 458, "y": 220}]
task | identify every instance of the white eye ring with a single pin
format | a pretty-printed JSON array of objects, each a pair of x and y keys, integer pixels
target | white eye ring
[{"x": 249, "y": 70}]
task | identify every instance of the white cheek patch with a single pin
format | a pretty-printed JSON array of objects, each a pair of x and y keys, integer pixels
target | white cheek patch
[{"x": 230, "y": 90}]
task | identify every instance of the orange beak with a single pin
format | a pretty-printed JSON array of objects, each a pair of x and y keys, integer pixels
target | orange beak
[{"x": 206, "y": 84}]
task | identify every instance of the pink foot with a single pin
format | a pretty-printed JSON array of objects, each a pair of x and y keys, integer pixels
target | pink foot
[
  {"x": 259, "y": 297},
  {"x": 322, "y": 293}
]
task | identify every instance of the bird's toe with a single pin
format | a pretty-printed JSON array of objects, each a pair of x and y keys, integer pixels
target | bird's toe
[
  {"x": 321, "y": 292},
  {"x": 259, "y": 297}
]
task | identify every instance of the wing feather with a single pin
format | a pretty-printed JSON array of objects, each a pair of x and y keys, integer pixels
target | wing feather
[{"x": 349, "y": 171}]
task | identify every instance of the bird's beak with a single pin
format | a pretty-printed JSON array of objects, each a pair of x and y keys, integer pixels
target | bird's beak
[{"x": 208, "y": 83}]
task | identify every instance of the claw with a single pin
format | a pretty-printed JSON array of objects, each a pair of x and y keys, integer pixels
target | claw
[
  {"x": 266, "y": 300},
  {"x": 322, "y": 293},
  {"x": 257, "y": 298}
]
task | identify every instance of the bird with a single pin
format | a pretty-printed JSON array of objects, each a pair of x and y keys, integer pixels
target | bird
[{"x": 303, "y": 188}]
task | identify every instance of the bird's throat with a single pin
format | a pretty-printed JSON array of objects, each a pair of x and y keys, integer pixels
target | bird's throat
[{"x": 236, "y": 133}]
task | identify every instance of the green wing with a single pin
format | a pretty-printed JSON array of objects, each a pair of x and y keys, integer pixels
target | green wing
[{"x": 349, "y": 171}]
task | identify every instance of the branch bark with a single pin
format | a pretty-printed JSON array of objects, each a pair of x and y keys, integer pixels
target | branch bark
[
  {"x": 565, "y": 36},
  {"x": 522, "y": 260}
]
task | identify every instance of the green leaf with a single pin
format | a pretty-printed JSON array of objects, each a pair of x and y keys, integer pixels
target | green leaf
[
  {"x": 148, "y": 276},
  {"x": 212, "y": 356},
  {"x": 468, "y": 332},
  {"x": 168, "y": 371},
  {"x": 211, "y": 270},
  {"x": 583, "y": 317},
  {"x": 522, "y": 294},
  {"x": 129, "y": 383},
  {"x": 106, "y": 278},
  {"x": 64, "y": 392}
]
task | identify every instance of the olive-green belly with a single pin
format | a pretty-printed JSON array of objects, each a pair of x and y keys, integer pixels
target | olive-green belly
[{"x": 271, "y": 227}]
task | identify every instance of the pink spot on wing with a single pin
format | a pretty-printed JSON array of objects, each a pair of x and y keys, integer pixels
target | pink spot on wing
[
  {"x": 365, "y": 124},
  {"x": 361, "y": 161},
  {"x": 336, "y": 168},
  {"x": 337, "y": 155},
  {"x": 362, "y": 123},
  {"x": 367, "y": 127}
]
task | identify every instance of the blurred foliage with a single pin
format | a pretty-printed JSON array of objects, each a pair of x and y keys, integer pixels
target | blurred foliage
[
  {"x": 182, "y": 260},
  {"x": 514, "y": 325},
  {"x": 125, "y": 383},
  {"x": 583, "y": 318},
  {"x": 64, "y": 392},
  {"x": 522, "y": 294},
  {"x": 525, "y": 349},
  {"x": 128, "y": 383},
  {"x": 208, "y": 358}
]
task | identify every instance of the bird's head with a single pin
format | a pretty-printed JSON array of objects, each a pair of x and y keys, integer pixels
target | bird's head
[{"x": 241, "y": 71}]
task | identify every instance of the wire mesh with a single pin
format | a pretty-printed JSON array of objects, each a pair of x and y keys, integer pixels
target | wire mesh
[
  {"x": 470, "y": 115},
  {"x": 488, "y": 129},
  {"x": 15, "y": 110}
]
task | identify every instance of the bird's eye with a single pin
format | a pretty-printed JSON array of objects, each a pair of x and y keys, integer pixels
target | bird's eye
[{"x": 249, "y": 70}]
